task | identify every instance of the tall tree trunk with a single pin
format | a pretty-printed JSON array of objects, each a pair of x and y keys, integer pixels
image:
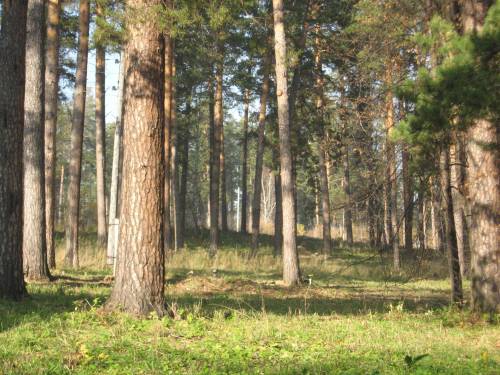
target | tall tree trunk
[
  {"x": 259, "y": 159},
  {"x": 114, "y": 221},
  {"x": 12, "y": 81},
  {"x": 184, "y": 178},
  {"x": 483, "y": 193},
  {"x": 140, "y": 249},
  {"x": 407, "y": 200},
  {"x": 291, "y": 270},
  {"x": 75, "y": 166},
  {"x": 244, "y": 168},
  {"x": 219, "y": 125},
  {"x": 34, "y": 230},
  {"x": 391, "y": 193},
  {"x": 451, "y": 236},
  {"x": 484, "y": 202},
  {"x": 100, "y": 134},
  {"x": 174, "y": 160},
  {"x": 167, "y": 124},
  {"x": 215, "y": 163},
  {"x": 346, "y": 183},
  {"x": 323, "y": 174},
  {"x": 51, "y": 96}
]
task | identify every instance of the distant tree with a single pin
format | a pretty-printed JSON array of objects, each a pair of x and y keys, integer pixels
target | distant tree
[
  {"x": 100, "y": 124},
  {"x": 259, "y": 157},
  {"x": 75, "y": 167},
  {"x": 12, "y": 81}
]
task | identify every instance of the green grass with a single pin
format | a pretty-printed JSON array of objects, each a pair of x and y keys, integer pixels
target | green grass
[{"x": 357, "y": 317}]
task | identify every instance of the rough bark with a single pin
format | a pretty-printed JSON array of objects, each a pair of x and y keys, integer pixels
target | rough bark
[
  {"x": 12, "y": 81},
  {"x": 34, "y": 234},
  {"x": 167, "y": 124},
  {"x": 214, "y": 168},
  {"x": 51, "y": 96},
  {"x": 291, "y": 270},
  {"x": 259, "y": 159},
  {"x": 100, "y": 135},
  {"x": 484, "y": 202},
  {"x": 244, "y": 168},
  {"x": 75, "y": 165},
  {"x": 139, "y": 282},
  {"x": 451, "y": 235},
  {"x": 483, "y": 189}
]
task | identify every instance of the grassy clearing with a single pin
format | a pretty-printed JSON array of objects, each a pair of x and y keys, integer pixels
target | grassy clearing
[{"x": 356, "y": 318}]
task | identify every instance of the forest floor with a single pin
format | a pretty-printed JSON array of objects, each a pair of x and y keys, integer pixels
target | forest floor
[{"x": 356, "y": 317}]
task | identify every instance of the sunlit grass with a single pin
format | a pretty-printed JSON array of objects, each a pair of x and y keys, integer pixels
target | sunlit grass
[{"x": 356, "y": 317}]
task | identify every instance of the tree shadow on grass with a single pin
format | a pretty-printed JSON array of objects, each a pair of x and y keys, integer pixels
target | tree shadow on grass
[
  {"x": 49, "y": 300},
  {"x": 351, "y": 306}
]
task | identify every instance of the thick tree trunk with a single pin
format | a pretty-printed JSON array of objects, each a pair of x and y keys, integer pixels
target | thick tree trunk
[
  {"x": 484, "y": 202},
  {"x": 259, "y": 159},
  {"x": 346, "y": 183},
  {"x": 483, "y": 188},
  {"x": 291, "y": 270},
  {"x": 244, "y": 168},
  {"x": 450, "y": 232},
  {"x": 407, "y": 200},
  {"x": 34, "y": 231},
  {"x": 215, "y": 120},
  {"x": 75, "y": 166},
  {"x": 100, "y": 135},
  {"x": 51, "y": 96},
  {"x": 167, "y": 124},
  {"x": 139, "y": 283},
  {"x": 114, "y": 221},
  {"x": 12, "y": 81}
]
